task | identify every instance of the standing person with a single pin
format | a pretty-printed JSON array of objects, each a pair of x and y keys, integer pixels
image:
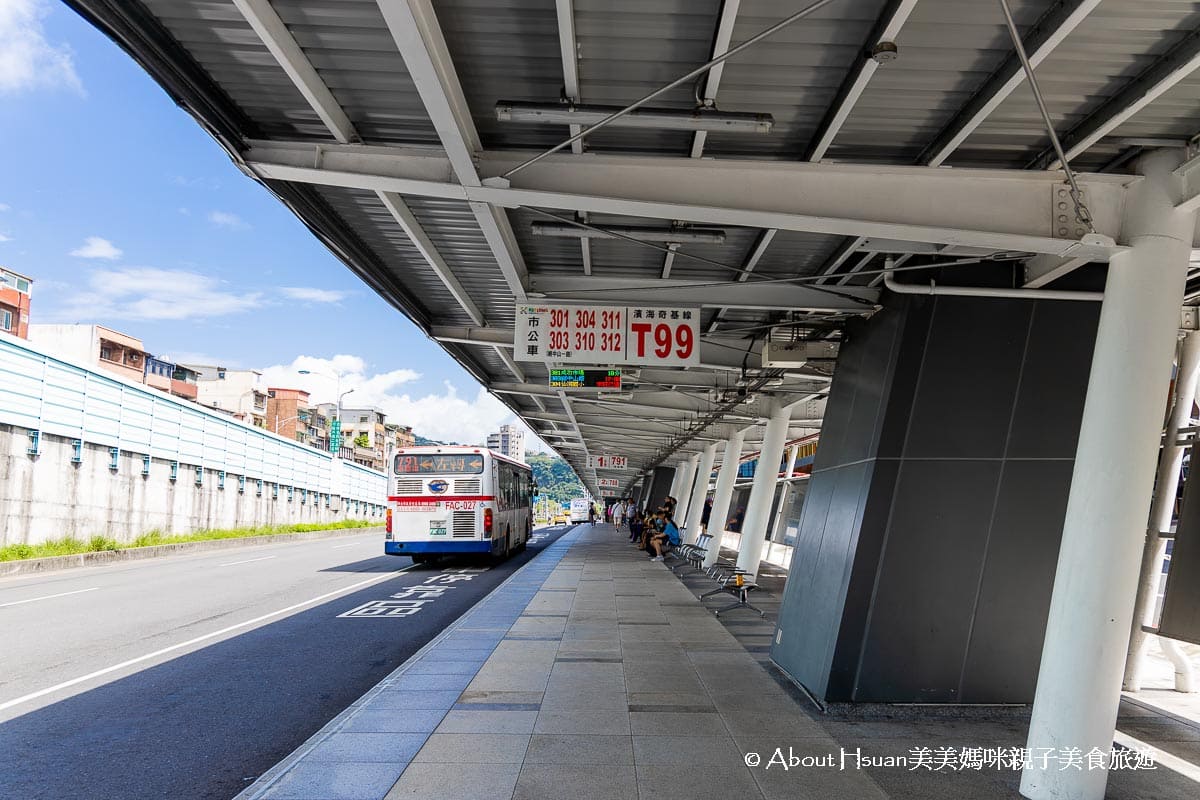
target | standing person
[
  {"x": 618, "y": 514},
  {"x": 705, "y": 514},
  {"x": 735, "y": 522},
  {"x": 592, "y": 514},
  {"x": 630, "y": 510},
  {"x": 669, "y": 504}
]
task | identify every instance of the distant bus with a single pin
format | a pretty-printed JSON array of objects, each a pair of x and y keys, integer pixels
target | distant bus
[
  {"x": 454, "y": 500},
  {"x": 579, "y": 509}
]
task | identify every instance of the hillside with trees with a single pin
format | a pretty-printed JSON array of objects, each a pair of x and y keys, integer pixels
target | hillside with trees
[{"x": 555, "y": 478}]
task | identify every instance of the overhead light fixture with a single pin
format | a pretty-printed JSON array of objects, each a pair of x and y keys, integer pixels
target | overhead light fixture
[
  {"x": 671, "y": 119},
  {"x": 675, "y": 234}
]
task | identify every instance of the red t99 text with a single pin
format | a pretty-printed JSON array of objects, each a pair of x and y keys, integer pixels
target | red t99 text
[{"x": 665, "y": 339}]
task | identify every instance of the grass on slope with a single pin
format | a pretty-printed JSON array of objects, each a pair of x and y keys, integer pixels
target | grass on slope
[{"x": 70, "y": 546}]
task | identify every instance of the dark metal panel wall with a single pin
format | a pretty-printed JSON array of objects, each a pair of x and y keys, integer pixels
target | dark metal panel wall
[
  {"x": 830, "y": 521},
  {"x": 660, "y": 485},
  {"x": 928, "y": 542}
]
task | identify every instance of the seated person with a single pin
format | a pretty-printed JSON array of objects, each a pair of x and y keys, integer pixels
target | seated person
[
  {"x": 651, "y": 525},
  {"x": 667, "y": 537},
  {"x": 636, "y": 528}
]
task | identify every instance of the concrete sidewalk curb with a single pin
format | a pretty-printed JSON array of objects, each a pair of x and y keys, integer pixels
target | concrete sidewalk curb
[
  {"x": 271, "y": 776},
  {"x": 104, "y": 557}
]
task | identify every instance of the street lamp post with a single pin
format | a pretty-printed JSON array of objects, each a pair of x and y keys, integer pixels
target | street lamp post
[{"x": 340, "y": 394}]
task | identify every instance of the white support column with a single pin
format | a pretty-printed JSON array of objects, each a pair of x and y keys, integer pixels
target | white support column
[
  {"x": 700, "y": 491},
  {"x": 1170, "y": 464},
  {"x": 1087, "y": 630},
  {"x": 793, "y": 454},
  {"x": 723, "y": 495},
  {"x": 762, "y": 491},
  {"x": 685, "y": 489},
  {"x": 785, "y": 496}
]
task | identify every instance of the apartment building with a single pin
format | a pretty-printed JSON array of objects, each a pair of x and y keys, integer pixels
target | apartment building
[
  {"x": 112, "y": 351},
  {"x": 240, "y": 392},
  {"x": 510, "y": 441},
  {"x": 364, "y": 434},
  {"x": 287, "y": 412},
  {"x": 14, "y": 303},
  {"x": 170, "y": 377}
]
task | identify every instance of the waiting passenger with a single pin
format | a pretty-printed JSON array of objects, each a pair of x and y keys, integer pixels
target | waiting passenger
[
  {"x": 666, "y": 539},
  {"x": 636, "y": 528}
]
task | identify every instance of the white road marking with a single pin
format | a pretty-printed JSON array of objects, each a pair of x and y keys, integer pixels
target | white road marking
[
  {"x": 353, "y": 544},
  {"x": 247, "y": 561},
  {"x": 47, "y": 597},
  {"x": 100, "y": 672},
  {"x": 1171, "y": 762}
]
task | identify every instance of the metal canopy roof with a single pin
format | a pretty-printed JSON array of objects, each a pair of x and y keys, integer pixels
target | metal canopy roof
[{"x": 375, "y": 122}]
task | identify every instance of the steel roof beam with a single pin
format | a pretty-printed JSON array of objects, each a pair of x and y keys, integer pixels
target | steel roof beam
[
  {"x": 1009, "y": 210},
  {"x": 415, "y": 29},
  {"x": 1177, "y": 64},
  {"x": 669, "y": 260},
  {"x": 756, "y": 253},
  {"x": 403, "y": 215},
  {"x": 886, "y": 29},
  {"x": 733, "y": 294},
  {"x": 287, "y": 52},
  {"x": 1040, "y": 41},
  {"x": 569, "y": 50},
  {"x": 570, "y": 59},
  {"x": 279, "y": 41},
  {"x": 847, "y": 248},
  {"x": 725, "y": 24}
]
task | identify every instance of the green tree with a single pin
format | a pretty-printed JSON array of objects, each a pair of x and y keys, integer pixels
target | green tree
[
  {"x": 362, "y": 440},
  {"x": 555, "y": 478}
]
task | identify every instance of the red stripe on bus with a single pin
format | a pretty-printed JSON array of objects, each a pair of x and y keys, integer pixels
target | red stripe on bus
[{"x": 437, "y": 498}]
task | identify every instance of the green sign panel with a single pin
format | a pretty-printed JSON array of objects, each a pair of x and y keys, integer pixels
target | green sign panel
[{"x": 579, "y": 378}]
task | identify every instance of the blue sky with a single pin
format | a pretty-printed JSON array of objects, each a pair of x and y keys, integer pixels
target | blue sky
[{"x": 127, "y": 214}]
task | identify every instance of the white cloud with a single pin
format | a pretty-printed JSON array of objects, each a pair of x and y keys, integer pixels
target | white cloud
[
  {"x": 4, "y": 238},
  {"x": 226, "y": 219},
  {"x": 95, "y": 247},
  {"x": 446, "y": 416},
  {"x": 145, "y": 293},
  {"x": 309, "y": 294},
  {"x": 27, "y": 60},
  {"x": 5, "y": 207}
]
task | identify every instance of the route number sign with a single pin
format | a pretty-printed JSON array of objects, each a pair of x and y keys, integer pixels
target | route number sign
[
  {"x": 607, "y": 462},
  {"x": 608, "y": 483},
  {"x": 635, "y": 335}
]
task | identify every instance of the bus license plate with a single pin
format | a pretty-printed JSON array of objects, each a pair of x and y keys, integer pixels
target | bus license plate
[{"x": 437, "y": 527}]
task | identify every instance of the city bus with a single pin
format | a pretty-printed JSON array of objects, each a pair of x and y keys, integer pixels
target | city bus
[
  {"x": 457, "y": 500},
  {"x": 580, "y": 507}
]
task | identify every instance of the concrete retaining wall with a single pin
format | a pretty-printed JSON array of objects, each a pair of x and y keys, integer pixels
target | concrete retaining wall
[
  {"x": 178, "y": 467},
  {"x": 50, "y": 496}
]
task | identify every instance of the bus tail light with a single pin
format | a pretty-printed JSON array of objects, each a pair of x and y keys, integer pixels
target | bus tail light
[
  {"x": 487, "y": 520},
  {"x": 388, "y": 523}
]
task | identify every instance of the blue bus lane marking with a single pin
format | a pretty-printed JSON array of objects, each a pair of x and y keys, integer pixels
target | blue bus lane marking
[{"x": 411, "y": 599}]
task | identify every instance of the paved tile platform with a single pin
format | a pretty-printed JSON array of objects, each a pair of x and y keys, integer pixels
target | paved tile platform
[{"x": 596, "y": 673}]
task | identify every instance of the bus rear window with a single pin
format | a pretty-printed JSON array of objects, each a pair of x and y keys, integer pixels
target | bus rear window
[{"x": 439, "y": 464}]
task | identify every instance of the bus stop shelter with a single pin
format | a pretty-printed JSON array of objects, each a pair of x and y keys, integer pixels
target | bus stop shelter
[{"x": 853, "y": 216}]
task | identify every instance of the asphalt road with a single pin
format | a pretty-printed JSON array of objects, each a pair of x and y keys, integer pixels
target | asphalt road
[{"x": 187, "y": 677}]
